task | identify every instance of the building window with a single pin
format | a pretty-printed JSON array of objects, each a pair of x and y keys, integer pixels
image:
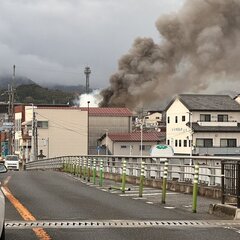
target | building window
[
  {"x": 145, "y": 147},
  {"x": 228, "y": 142},
  {"x": 123, "y": 146},
  {"x": 146, "y": 117},
  {"x": 42, "y": 124},
  {"x": 176, "y": 119},
  {"x": 222, "y": 118},
  {"x": 204, "y": 142},
  {"x": 157, "y": 117},
  {"x": 180, "y": 143},
  {"x": 168, "y": 119},
  {"x": 185, "y": 143},
  {"x": 183, "y": 118},
  {"x": 168, "y": 142},
  {"x": 176, "y": 143},
  {"x": 205, "y": 118}
]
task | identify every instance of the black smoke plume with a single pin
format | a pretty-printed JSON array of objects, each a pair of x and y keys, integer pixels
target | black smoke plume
[{"x": 200, "y": 43}]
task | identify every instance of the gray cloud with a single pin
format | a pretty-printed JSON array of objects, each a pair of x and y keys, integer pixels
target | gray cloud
[{"x": 52, "y": 40}]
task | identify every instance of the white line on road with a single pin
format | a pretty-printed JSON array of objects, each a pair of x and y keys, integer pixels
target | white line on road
[
  {"x": 139, "y": 198},
  {"x": 145, "y": 194}
]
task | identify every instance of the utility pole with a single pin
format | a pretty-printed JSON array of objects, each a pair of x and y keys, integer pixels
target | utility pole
[
  {"x": 87, "y": 73},
  {"x": 11, "y": 117},
  {"x": 34, "y": 137},
  {"x": 88, "y": 144}
]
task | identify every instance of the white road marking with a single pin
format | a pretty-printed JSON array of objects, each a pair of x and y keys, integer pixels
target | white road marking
[
  {"x": 5, "y": 181},
  {"x": 139, "y": 198},
  {"x": 170, "y": 207},
  {"x": 149, "y": 202},
  {"x": 144, "y": 194},
  {"x": 134, "y": 192}
]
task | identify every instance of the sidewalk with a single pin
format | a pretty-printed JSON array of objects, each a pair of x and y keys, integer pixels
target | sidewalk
[{"x": 174, "y": 200}]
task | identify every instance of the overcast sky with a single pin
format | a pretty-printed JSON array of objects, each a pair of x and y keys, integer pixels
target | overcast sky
[{"x": 51, "y": 41}]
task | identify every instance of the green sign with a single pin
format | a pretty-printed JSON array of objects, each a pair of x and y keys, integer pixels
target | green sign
[{"x": 161, "y": 147}]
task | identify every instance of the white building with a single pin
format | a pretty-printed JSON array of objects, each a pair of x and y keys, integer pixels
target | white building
[
  {"x": 61, "y": 131},
  {"x": 203, "y": 125}
]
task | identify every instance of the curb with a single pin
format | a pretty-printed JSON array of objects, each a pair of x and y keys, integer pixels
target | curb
[{"x": 224, "y": 209}]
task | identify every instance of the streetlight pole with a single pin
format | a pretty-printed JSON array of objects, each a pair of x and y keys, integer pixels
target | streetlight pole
[
  {"x": 88, "y": 130},
  {"x": 106, "y": 141},
  {"x": 141, "y": 145},
  {"x": 191, "y": 135}
]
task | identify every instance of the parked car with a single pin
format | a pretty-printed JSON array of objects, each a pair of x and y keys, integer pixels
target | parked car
[
  {"x": 12, "y": 162},
  {"x": 3, "y": 169}
]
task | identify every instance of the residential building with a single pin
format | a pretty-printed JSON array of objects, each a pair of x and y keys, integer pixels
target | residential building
[
  {"x": 60, "y": 131},
  {"x": 152, "y": 119},
  {"x": 130, "y": 143},
  {"x": 203, "y": 125}
]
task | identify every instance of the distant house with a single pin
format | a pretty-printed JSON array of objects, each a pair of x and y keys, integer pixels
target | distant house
[
  {"x": 130, "y": 143},
  {"x": 203, "y": 125},
  {"x": 152, "y": 119}
]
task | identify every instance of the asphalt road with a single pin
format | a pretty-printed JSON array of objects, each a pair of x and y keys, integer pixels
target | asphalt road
[{"x": 53, "y": 196}]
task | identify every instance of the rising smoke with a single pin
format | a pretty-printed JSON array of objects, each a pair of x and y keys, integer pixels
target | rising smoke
[{"x": 200, "y": 44}]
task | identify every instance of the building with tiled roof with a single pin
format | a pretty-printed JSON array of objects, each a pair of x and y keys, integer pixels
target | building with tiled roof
[
  {"x": 130, "y": 143},
  {"x": 203, "y": 125},
  {"x": 108, "y": 112}
]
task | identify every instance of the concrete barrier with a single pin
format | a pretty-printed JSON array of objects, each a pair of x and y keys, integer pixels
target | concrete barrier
[{"x": 225, "y": 209}]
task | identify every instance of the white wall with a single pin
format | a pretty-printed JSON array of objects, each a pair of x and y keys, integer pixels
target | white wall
[
  {"x": 178, "y": 131},
  {"x": 66, "y": 133}
]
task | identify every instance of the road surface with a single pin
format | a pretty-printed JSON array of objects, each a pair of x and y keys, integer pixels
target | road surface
[{"x": 60, "y": 206}]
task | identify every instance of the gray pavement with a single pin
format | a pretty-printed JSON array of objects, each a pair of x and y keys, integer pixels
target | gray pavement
[{"x": 58, "y": 196}]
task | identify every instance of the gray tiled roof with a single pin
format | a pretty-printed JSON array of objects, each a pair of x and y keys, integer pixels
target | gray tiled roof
[
  {"x": 197, "y": 128},
  {"x": 199, "y": 102}
]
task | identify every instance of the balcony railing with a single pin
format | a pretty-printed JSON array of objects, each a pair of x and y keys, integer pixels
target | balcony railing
[
  {"x": 217, "y": 151},
  {"x": 218, "y": 124}
]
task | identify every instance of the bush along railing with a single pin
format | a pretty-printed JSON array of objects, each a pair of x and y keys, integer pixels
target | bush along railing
[{"x": 163, "y": 172}]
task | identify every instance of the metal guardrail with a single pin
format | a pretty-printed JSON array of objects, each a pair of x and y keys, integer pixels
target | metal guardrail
[
  {"x": 180, "y": 168},
  {"x": 231, "y": 180}
]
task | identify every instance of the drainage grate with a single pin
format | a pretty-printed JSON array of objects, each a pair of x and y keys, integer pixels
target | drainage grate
[{"x": 115, "y": 224}]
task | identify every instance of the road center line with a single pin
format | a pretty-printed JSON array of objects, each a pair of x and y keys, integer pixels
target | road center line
[{"x": 25, "y": 214}]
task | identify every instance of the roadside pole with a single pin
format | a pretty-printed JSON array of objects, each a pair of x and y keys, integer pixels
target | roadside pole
[
  {"x": 164, "y": 184},
  {"x": 80, "y": 167},
  {"x": 195, "y": 188},
  {"x": 101, "y": 173},
  {"x": 84, "y": 169},
  {"x": 89, "y": 169},
  {"x": 123, "y": 176},
  {"x": 94, "y": 171},
  {"x": 141, "y": 179}
]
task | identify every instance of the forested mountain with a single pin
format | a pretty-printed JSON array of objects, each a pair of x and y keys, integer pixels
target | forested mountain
[
  {"x": 27, "y": 91},
  {"x": 33, "y": 93}
]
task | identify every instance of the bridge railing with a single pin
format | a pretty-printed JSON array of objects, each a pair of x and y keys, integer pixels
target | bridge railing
[{"x": 180, "y": 168}]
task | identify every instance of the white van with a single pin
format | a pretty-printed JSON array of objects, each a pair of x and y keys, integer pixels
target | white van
[{"x": 12, "y": 162}]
